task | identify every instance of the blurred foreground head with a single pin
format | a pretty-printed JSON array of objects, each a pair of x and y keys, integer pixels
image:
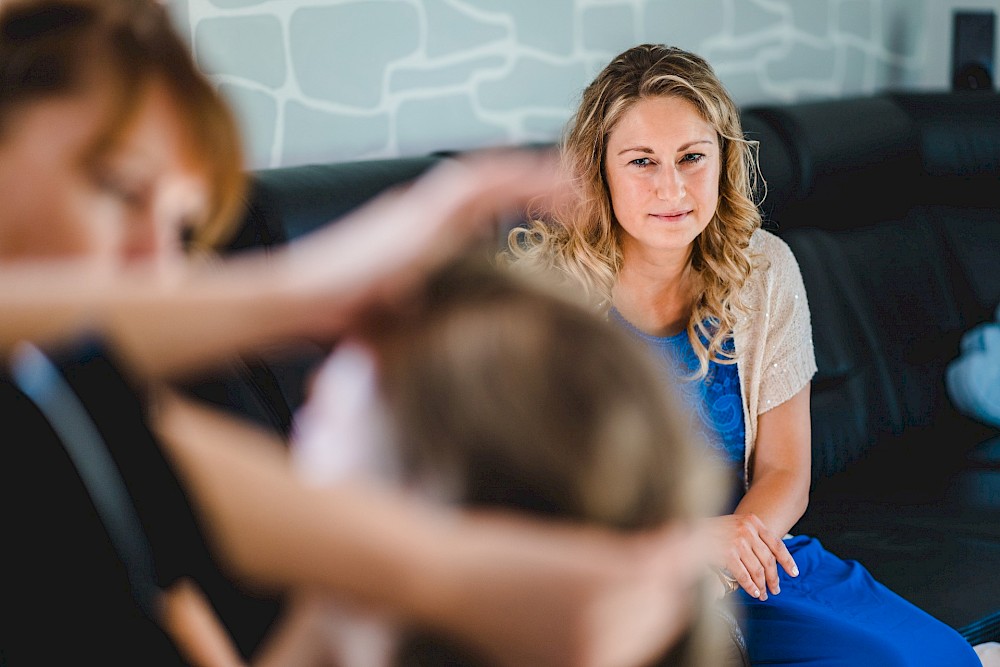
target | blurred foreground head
[
  {"x": 111, "y": 140},
  {"x": 523, "y": 398},
  {"x": 492, "y": 391}
]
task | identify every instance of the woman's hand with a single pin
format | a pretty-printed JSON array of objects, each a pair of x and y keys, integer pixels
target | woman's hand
[
  {"x": 167, "y": 324},
  {"x": 378, "y": 253},
  {"x": 531, "y": 593},
  {"x": 751, "y": 553}
]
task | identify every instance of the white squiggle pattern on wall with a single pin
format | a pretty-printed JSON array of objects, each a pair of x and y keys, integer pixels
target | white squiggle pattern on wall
[{"x": 459, "y": 74}]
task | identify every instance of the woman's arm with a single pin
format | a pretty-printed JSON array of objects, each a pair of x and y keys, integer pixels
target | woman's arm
[
  {"x": 160, "y": 326},
  {"x": 167, "y": 325},
  {"x": 522, "y": 591},
  {"x": 779, "y": 486},
  {"x": 751, "y": 538}
]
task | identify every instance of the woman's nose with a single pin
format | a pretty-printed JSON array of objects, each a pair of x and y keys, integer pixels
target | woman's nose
[
  {"x": 150, "y": 238},
  {"x": 669, "y": 184}
]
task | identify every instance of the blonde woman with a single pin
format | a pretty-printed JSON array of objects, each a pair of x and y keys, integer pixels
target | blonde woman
[{"x": 665, "y": 238}]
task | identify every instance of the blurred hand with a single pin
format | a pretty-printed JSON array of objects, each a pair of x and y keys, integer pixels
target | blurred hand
[
  {"x": 555, "y": 596},
  {"x": 384, "y": 249}
]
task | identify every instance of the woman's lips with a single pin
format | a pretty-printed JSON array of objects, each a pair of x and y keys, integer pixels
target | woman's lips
[{"x": 670, "y": 217}]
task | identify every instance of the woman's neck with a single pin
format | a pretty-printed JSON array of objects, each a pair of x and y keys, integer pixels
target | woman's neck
[{"x": 656, "y": 295}]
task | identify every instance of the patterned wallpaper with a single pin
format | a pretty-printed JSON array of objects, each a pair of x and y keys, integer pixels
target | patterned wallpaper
[{"x": 333, "y": 80}]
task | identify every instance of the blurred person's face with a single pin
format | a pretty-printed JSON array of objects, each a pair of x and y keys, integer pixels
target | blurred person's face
[{"x": 130, "y": 203}]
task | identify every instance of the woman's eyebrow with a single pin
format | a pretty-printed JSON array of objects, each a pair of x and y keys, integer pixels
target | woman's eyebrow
[
  {"x": 650, "y": 151},
  {"x": 694, "y": 143},
  {"x": 638, "y": 149}
]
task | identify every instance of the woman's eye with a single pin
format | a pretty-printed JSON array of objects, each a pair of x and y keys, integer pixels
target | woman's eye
[
  {"x": 187, "y": 233},
  {"x": 693, "y": 157},
  {"x": 118, "y": 188},
  {"x": 127, "y": 195},
  {"x": 187, "y": 238},
  {"x": 641, "y": 162}
]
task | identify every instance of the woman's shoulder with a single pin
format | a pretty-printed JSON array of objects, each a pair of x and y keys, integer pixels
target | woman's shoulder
[
  {"x": 767, "y": 242},
  {"x": 774, "y": 249}
]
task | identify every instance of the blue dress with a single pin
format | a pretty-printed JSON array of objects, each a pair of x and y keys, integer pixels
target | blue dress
[{"x": 834, "y": 613}]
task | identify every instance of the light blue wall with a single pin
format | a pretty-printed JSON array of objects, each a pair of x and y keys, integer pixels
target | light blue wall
[{"x": 331, "y": 80}]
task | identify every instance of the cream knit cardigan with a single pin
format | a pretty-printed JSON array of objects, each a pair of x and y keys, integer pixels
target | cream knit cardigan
[{"x": 774, "y": 344}]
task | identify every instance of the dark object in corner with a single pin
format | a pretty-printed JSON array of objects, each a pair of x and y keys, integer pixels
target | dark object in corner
[{"x": 972, "y": 50}]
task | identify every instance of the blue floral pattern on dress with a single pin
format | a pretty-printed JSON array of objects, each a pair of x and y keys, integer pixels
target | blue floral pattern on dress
[{"x": 716, "y": 401}]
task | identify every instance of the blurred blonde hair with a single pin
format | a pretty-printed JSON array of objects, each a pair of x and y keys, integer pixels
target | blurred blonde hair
[
  {"x": 515, "y": 395},
  {"x": 582, "y": 240}
]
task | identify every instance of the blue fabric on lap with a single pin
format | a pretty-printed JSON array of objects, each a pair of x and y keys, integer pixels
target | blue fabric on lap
[{"x": 834, "y": 614}]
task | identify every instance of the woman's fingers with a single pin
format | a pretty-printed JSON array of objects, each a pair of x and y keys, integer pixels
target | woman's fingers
[
  {"x": 384, "y": 248},
  {"x": 635, "y": 622},
  {"x": 567, "y": 595},
  {"x": 767, "y": 568},
  {"x": 784, "y": 557},
  {"x": 744, "y": 579},
  {"x": 771, "y": 551},
  {"x": 753, "y": 555},
  {"x": 750, "y": 550}
]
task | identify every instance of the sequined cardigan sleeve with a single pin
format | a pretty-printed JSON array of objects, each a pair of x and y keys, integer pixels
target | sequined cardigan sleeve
[{"x": 774, "y": 343}]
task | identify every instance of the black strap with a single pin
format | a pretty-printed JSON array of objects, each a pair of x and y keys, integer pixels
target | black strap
[{"x": 40, "y": 379}]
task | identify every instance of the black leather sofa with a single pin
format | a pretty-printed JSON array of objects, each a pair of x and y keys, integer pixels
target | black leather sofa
[{"x": 891, "y": 203}]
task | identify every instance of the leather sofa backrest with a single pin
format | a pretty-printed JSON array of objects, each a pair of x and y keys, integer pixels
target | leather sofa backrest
[
  {"x": 959, "y": 142},
  {"x": 299, "y": 199},
  {"x": 893, "y": 213},
  {"x": 854, "y": 161}
]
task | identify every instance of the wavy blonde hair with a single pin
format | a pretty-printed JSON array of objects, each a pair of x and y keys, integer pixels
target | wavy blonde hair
[{"x": 581, "y": 239}]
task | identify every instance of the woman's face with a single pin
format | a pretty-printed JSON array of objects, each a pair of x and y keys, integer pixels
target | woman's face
[
  {"x": 129, "y": 204},
  {"x": 662, "y": 166}
]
